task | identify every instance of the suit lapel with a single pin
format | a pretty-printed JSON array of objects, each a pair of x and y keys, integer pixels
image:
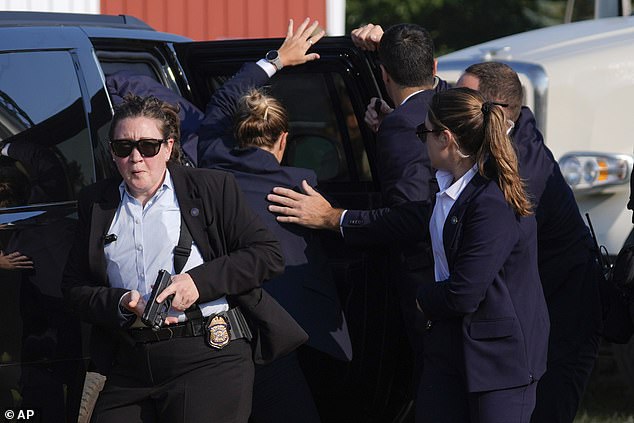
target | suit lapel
[
  {"x": 103, "y": 213},
  {"x": 454, "y": 223}
]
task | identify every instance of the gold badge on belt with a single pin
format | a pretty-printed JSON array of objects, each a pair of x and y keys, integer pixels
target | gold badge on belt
[{"x": 217, "y": 332}]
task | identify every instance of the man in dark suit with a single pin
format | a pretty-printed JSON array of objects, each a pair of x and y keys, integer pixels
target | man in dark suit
[
  {"x": 568, "y": 266},
  {"x": 406, "y": 53},
  {"x": 408, "y": 68},
  {"x": 201, "y": 366}
]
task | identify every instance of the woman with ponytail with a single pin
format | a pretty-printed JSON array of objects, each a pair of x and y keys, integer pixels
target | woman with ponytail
[{"x": 487, "y": 330}]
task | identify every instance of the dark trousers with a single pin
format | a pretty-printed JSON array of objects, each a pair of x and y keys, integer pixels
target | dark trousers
[
  {"x": 178, "y": 380},
  {"x": 281, "y": 393},
  {"x": 575, "y": 321},
  {"x": 442, "y": 390},
  {"x": 513, "y": 405},
  {"x": 442, "y": 393},
  {"x": 560, "y": 389}
]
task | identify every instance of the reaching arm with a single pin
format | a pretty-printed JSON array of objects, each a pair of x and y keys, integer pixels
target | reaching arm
[
  {"x": 213, "y": 141},
  {"x": 308, "y": 209}
]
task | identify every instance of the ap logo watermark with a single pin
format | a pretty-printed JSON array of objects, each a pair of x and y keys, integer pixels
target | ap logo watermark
[{"x": 19, "y": 414}]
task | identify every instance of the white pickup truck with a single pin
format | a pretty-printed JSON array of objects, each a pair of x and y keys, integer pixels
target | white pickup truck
[{"x": 578, "y": 79}]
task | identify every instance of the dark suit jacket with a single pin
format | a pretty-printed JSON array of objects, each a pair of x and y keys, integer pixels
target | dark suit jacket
[
  {"x": 494, "y": 288},
  {"x": 215, "y": 137},
  {"x": 238, "y": 251},
  {"x": 306, "y": 289},
  {"x": 403, "y": 164},
  {"x": 405, "y": 175},
  {"x": 565, "y": 247}
]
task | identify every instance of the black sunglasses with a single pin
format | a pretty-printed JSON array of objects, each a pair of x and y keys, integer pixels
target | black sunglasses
[
  {"x": 422, "y": 132},
  {"x": 148, "y": 147}
]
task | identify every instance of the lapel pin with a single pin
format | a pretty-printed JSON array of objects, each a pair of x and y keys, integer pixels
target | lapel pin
[
  {"x": 194, "y": 212},
  {"x": 454, "y": 220}
]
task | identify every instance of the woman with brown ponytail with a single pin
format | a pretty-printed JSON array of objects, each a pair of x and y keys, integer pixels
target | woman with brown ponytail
[{"x": 487, "y": 333}]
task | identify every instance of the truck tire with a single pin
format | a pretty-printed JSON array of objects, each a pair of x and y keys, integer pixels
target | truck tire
[{"x": 93, "y": 384}]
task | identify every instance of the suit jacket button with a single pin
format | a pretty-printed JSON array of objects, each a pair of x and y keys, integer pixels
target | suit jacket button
[
  {"x": 194, "y": 212},
  {"x": 428, "y": 325},
  {"x": 454, "y": 220}
]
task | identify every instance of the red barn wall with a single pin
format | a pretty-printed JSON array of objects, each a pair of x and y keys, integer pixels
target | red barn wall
[{"x": 219, "y": 19}]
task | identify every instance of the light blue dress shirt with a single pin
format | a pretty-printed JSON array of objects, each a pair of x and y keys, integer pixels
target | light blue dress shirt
[{"x": 146, "y": 237}]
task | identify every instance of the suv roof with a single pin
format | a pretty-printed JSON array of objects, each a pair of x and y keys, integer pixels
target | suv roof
[{"x": 72, "y": 19}]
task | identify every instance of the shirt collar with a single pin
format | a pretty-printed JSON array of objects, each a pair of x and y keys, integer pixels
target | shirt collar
[
  {"x": 436, "y": 81},
  {"x": 168, "y": 184},
  {"x": 411, "y": 95},
  {"x": 454, "y": 190}
]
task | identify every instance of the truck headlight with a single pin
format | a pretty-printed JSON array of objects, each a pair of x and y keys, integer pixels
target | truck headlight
[{"x": 584, "y": 170}]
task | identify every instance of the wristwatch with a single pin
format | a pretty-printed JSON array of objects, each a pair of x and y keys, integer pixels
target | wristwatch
[{"x": 273, "y": 57}]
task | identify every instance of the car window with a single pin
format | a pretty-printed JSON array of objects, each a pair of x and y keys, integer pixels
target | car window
[
  {"x": 324, "y": 130},
  {"x": 42, "y": 117}
]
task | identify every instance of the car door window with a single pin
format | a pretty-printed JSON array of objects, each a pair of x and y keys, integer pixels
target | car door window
[
  {"x": 43, "y": 119},
  {"x": 324, "y": 130}
]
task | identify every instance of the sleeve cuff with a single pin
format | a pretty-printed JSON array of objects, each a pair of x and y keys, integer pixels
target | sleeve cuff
[
  {"x": 266, "y": 67},
  {"x": 124, "y": 313},
  {"x": 343, "y": 214}
]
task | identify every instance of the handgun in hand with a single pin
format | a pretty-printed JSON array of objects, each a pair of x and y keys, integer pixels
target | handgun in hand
[{"x": 155, "y": 313}]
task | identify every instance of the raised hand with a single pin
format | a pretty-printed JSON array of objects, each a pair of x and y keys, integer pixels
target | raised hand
[
  {"x": 367, "y": 37},
  {"x": 293, "y": 50}
]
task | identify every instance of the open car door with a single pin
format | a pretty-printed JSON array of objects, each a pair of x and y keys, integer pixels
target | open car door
[{"x": 326, "y": 100}]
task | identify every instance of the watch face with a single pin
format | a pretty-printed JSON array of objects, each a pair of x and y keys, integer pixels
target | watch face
[{"x": 272, "y": 55}]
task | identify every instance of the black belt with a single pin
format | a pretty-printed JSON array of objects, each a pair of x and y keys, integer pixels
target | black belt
[{"x": 237, "y": 328}]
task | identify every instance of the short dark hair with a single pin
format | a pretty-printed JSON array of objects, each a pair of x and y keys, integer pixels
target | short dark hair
[
  {"x": 499, "y": 82},
  {"x": 153, "y": 108},
  {"x": 407, "y": 53}
]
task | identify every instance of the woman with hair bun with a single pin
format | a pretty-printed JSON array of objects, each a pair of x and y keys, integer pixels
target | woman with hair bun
[
  {"x": 245, "y": 132},
  {"x": 487, "y": 333}
]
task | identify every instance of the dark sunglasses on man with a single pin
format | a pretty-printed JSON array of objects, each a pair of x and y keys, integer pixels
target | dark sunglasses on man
[{"x": 148, "y": 147}]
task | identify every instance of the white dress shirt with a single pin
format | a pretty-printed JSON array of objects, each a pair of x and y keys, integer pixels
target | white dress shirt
[
  {"x": 445, "y": 199},
  {"x": 146, "y": 237}
]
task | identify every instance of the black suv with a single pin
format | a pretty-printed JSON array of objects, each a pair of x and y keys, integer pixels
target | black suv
[{"x": 53, "y": 102}]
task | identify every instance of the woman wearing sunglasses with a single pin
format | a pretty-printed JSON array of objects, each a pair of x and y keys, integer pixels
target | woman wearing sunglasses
[
  {"x": 195, "y": 224},
  {"x": 487, "y": 334}
]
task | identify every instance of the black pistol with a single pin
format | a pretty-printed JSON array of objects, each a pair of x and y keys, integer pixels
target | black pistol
[{"x": 155, "y": 313}]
